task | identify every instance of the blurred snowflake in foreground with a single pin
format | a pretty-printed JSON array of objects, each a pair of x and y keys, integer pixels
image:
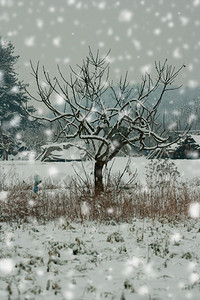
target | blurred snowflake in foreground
[
  {"x": 193, "y": 84},
  {"x": 3, "y": 195},
  {"x": 6, "y": 265},
  {"x": 85, "y": 209},
  {"x": 30, "y": 41},
  {"x": 194, "y": 210},
  {"x": 57, "y": 41},
  {"x": 196, "y": 2},
  {"x": 194, "y": 277},
  {"x": 53, "y": 171},
  {"x": 39, "y": 23},
  {"x": 176, "y": 237},
  {"x": 6, "y": 2},
  {"x": 15, "y": 121},
  {"x": 143, "y": 290},
  {"x": 68, "y": 295},
  {"x": 125, "y": 16}
]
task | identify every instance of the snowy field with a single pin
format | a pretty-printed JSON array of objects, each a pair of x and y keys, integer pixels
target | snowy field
[
  {"x": 12, "y": 172},
  {"x": 141, "y": 260}
]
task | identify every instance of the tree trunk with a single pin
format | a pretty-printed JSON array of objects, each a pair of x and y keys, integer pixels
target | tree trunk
[{"x": 98, "y": 177}]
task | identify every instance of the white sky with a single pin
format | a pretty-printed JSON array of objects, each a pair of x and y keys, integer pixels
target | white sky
[{"x": 137, "y": 31}]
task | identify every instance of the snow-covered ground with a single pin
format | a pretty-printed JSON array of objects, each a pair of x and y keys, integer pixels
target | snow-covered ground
[
  {"x": 141, "y": 260},
  {"x": 144, "y": 259},
  {"x": 13, "y": 171}
]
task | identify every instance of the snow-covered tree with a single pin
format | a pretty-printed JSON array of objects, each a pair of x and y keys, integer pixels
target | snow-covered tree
[
  {"x": 187, "y": 148},
  {"x": 105, "y": 127},
  {"x": 12, "y": 94}
]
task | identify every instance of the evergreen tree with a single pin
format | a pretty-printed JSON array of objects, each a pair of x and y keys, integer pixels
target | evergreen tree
[
  {"x": 187, "y": 148},
  {"x": 13, "y": 118}
]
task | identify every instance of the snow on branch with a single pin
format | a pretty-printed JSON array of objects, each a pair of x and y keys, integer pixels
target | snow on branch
[{"x": 105, "y": 116}]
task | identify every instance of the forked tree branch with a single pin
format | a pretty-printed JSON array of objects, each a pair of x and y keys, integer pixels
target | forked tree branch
[{"x": 89, "y": 115}]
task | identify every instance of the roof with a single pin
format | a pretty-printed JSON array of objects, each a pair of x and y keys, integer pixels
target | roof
[
  {"x": 63, "y": 151},
  {"x": 176, "y": 145},
  {"x": 65, "y": 144},
  {"x": 196, "y": 138}
]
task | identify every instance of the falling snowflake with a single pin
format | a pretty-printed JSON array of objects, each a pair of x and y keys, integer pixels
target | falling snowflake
[
  {"x": 137, "y": 44},
  {"x": 176, "y": 53},
  {"x": 3, "y": 195},
  {"x": 192, "y": 265},
  {"x": 30, "y": 41},
  {"x": 102, "y": 5},
  {"x": 110, "y": 31},
  {"x": 129, "y": 32},
  {"x": 125, "y": 16},
  {"x": 1, "y": 77},
  {"x": 110, "y": 210},
  {"x": 71, "y": 2},
  {"x": 31, "y": 203},
  {"x": 40, "y": 272},
  {"x": 40, "y": 111},
  {"x": 172, "y": 125},
  {"x": 196, "y": 2},
  {"x": 57, "y": 41},
  {"x": 146, "y": 69},
  {"x": 194, "y": 210},
  {"x": 52, "y": 9},
  {"x": 52, "y": 171},
  {"x": 101, "y": 44},
  {"x": 6, "y": 265},
  {"x": 8, "y": 3},
  {"x": 66, "y": 60},
  {"x": 31, "y": 157},
  {"x": 171, "y": 24},
  {"x": 69, "y": 295},
  {"x": 193, "y": 84},
  {"x": 59, "y": 100},
  {"x": 134, "y": 261},
  {"x": 109, "y": 277},
  {"x": 176, "y": 237},
  {"x": 60, "y": 19},
  {"x": 85, "y": 208},
  {"x": 48, "y": 132},
  {"x": 157, "y": 31},
  {"x": 184, "y": 20},
  {"x": 14, "y": 89},
  {"x": 176, "y": 112},
  {"x": 15, "y": 121},
  {"x": 194, "y": 277},
  {"x": 8, "y": 239},
  {"x": 39, "y": 23},
  {"x": 186, "y": 47},
  {"x": 149, "y": 271},
  {"x": 143, "y": 290},
  {"x": 192, "y": 118}
]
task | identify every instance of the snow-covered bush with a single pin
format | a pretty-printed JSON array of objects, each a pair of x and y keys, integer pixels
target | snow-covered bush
[{"x": 161, "y": 174}]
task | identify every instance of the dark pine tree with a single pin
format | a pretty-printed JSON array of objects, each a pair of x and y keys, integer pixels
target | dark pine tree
[
  {"x": 13, "y": 118},
  {"x": 188, "y": 148}
]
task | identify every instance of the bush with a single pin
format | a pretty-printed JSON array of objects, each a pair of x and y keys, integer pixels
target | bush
[{"x": 164, "y": 197}]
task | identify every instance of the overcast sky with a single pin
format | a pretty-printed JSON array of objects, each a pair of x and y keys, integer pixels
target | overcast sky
[{"x": 137, "y": 31}]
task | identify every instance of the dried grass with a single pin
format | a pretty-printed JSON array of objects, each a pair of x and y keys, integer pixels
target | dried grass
[{"x": 77, "y": 203}]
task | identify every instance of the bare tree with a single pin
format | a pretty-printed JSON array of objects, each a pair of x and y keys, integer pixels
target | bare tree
[{"x": 105, "y": 127}]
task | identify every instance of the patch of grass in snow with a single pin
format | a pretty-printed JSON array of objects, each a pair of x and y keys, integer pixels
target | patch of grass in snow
[{"x": 63, "y": 261}]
